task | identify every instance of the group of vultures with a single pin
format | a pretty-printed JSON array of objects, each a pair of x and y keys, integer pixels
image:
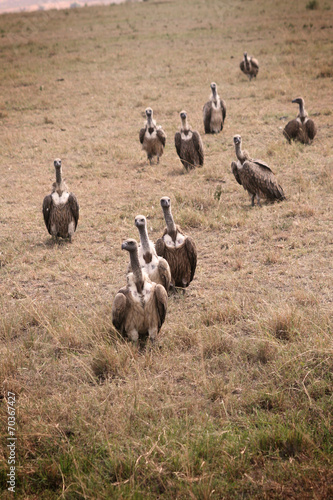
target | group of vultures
[{"x": 156, "y": 270}]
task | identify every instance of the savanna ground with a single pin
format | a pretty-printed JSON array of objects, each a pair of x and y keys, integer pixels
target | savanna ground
[{"x": 235, "y": 398}]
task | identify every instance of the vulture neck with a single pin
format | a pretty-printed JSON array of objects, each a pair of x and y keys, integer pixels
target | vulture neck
[
  {"x": 144, "y": 240},
  {"x": 58, "y": 176},
  {"x": 137, "y": 272},
  {"x": 214, "y": 96},
  {"x": 302, "y": 113},
  {"x": 171, "y": 226},
  {"x": 241, "y": 155},
  {"x": 150, "y": 122},
  {"x": 185, "y": 126}
]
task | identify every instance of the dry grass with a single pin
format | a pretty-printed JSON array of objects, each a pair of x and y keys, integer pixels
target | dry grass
[{"x": 235, "y": 399}]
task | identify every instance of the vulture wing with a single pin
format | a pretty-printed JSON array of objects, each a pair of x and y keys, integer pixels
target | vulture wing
[
  {"x": 261, "y": 180},
  {"x": 242, "y": 65},
  {"x": 234, "y": 170},
  {"x": 161, "y": 135},
  {"x": 311, "y": 129},
  {"x": 192, "y": 254},
  {"x": 291, "y": 130},
  {"x": 262, "y": 164},
  {"x": 224, "y": 111},
  {"x": 74, "y": 207},
  {"x": 164, "y": 271},
  {"x": 178, "y": 140},
  {"x": 142, "y": 134},
  {"x": 161, "y": 298},
  {"x": 47, "y": 205},
  {"x": 160, "y": 247},
  {"x": 255, "y": 63},
  {"x": 207, "y": 113},
  {"x": 198, "y": 146},
  {"x": 119, "y": 309}
]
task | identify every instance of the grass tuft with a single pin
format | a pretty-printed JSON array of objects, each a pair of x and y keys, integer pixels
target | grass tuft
[
  {"x": 284, "y": 325},
  {"x": 312, "y": 5}
]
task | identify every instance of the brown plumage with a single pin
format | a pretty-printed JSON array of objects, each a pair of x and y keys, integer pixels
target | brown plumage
[
  {"x": 156, "y": 267},
  {"x": 249, "y": 66},
  {"x": 255, "y": 176},
  {"x": 60, "y": 208},
  {"x": 302, "y": 128},
  {"x": 139, "y": 309},
  {"x": 152, "y": 137},
  {"x": 214, "y": 112},
  {"x": 189, "y": 145},
  {"x": 177, "y": 248}
]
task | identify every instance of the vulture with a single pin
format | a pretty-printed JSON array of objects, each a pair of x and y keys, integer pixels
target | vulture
[
  {"x": 152, "y": 137},
  {"x": 156, "y": 267},
  {"x": 177, "y": 248},
  {"x": 302, "y": 128},
  {"x": 60, "y": 208},
  {"x": 214, "y": 112},
  {"x": 189, "y": 145},
  {"x": 255, "y": 176},
  {"x": 140, "y": 307},
  {"x": 249, "y": 66}
]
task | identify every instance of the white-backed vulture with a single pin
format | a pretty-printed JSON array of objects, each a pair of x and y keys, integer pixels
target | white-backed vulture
[
  {"x": 255, "y": 176},
  {"x": 140, "y": 307},
  {"x": 214, "y": 112},
  {"x": 152, "y": 137},
  {"x": 249, "y": 66},
  {"x": 156, "y": 267},
  {"x": 60, "y": 208},
  {"x": 302, "y": 128},
  {"x": 177, "y": 248},
  {"x": 189, "y": 145}
]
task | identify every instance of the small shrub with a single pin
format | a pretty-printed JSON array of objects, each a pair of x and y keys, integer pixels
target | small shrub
[
  {"x": 218, "y": 192},
  {"x": 325, "y": 73},
  {"x": 286, "y": 443},
  {"x": 312, "y": 5}
]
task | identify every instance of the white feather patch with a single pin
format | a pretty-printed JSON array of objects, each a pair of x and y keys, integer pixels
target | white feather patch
[
  {"x": 180, "y": 238},
  {"x": 153, "y": 135},
  {"x": 187, "y": 137},
  {"x": 146, "y": 291},
  {"x": 60, "y": 200}
]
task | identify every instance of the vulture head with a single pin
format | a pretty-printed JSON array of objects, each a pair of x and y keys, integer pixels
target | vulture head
[
  {"x": 130, "y": 245},
  {"x": 183, "y": 117},
  {"x": 149, "y": 113},
  {"x": 237, "y": 140},
  {"x": 140, "y": 221},
  {"x": 213, "y": 86},
  {"x": 298, "y": 100},
  {"x": 57, "y": 163},
  {"x": 165, "y": 202}
]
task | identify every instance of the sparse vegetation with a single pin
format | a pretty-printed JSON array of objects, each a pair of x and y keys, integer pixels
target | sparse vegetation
[
  {"x": 235, "y": 398},
  {"x": 312, "y": 5}
]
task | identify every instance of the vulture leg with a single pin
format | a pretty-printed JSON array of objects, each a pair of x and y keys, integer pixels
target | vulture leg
[
  {"x": 252, "y": 200},
  {"x": 133, "y": 335},
  {"x": 258, "y": 200},
  {"x": 152, "y": 332}
]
